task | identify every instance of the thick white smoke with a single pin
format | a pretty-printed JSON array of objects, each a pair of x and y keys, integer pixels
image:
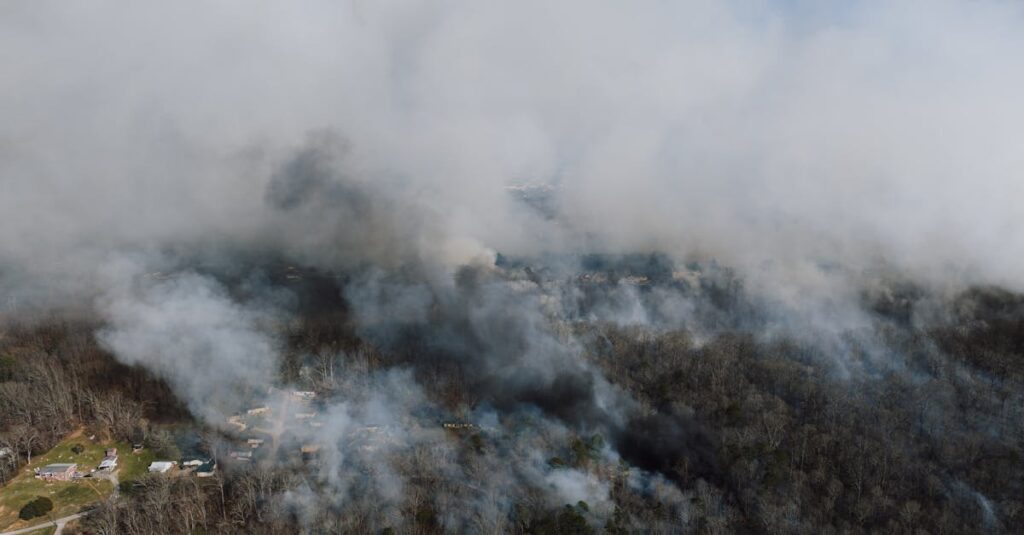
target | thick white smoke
[
  {"x": 742, "y": 130},
  {"x": 814, "y": 152},
  {"x": 212, "y": 350}
]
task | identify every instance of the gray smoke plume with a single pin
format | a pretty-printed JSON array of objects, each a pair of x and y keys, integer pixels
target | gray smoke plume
[
  {"x": 470, "y": 185},
  {"x": 750, "y": 133},
  {"x": 211, "y": 349}
]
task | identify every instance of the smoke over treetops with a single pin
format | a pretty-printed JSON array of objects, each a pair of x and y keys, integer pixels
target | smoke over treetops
[{"x": 469, "y": 213}]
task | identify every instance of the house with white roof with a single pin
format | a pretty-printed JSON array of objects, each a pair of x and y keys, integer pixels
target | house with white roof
[{"x": 159, "y": 467}]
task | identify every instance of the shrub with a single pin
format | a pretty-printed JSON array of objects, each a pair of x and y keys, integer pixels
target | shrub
[
  {"x": 77, "y": 448},
  {"x": 28, "y": 512},
  {"x": 37, "y": 507},
  {"x": 44, "y": 505}
]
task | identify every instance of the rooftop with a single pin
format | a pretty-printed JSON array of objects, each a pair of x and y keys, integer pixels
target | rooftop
[
  {"x": 161, "y": 466},
  {"x": 61, "y": 467}
]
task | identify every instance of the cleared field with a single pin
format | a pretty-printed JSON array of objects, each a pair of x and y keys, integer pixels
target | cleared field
[
  {"x": 68, "y": 497},
  {"x": 132, "y": 466}
]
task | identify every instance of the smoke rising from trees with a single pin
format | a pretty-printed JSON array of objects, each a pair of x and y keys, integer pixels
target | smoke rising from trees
[{"x": 485, "y": 197}]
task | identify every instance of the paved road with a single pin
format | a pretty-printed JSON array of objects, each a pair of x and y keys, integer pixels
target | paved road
[{"x": 58, "y": 522}]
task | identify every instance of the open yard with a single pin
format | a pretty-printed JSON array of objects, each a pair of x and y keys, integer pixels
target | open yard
[
  {"x": 68, "y": 497},
  {"x": 133, "y": 465}
]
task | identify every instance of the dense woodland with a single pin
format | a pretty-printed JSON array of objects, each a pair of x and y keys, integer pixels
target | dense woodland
[{"x": 926, "y": 437}]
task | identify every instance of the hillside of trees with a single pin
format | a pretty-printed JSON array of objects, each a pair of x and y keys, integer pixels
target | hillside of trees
[{"x": 739, "y": 431}]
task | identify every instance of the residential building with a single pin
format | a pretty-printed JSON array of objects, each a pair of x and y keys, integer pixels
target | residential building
[{"x": 57, "y": 472}]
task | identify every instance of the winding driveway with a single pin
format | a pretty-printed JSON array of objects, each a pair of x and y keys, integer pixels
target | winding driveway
[{"x": 58, "y": 522}]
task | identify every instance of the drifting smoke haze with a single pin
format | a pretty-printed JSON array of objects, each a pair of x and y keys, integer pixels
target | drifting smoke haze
[
  {"x": 480, "y": 196},
  {"x": 747, "y": 131}
]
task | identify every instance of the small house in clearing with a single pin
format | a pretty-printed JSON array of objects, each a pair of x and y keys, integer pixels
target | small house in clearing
[
  {"x": 303, "y": 396},
  {"x": 241, "y": 455},
  {"x": 160, "y": 467},
  {"x": 109, "y": 461},
  {"x": 310, "y": 453},
  {"x": 459, "y": 425},
  {"x": 236, "y": 420},
  {"x": 108, "y": 464},
  {"x": 206, "y": 469},
  {"x": 57, "y": 472}
]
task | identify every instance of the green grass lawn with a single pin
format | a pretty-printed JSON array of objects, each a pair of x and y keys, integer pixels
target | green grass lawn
[
  {"x": 68, "y": 496},
  {"x": 132, "y": 466}
]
